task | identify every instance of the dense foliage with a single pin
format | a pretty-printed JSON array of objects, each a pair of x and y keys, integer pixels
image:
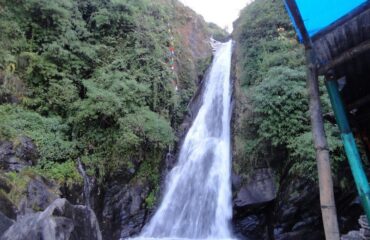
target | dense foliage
[
  {"x": 274, "y": 128},
  {"x": 90, "y": 80},
  {"x": 217, "y": 33}
]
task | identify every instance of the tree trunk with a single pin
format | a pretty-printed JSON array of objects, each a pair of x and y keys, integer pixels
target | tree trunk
[{"x": 328, "y": 210}]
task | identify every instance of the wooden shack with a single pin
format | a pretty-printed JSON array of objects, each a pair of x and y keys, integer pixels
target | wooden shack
[{"x": 336, "y": 36}]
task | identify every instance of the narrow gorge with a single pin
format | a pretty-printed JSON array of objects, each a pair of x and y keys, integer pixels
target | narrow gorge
[{"x": 138, "y": 119}]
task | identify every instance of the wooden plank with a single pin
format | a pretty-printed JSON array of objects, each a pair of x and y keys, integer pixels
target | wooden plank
[
  {"x": 346, "y": 56},
  {"x": 322, "y": 51},
  {"x": 343, "y": 37}
]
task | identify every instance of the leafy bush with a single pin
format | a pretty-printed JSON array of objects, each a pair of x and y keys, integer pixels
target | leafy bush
[
  {"x": 90, "y": 80},
  {"x": 63, "y": 173},
  {"x": 273, "y": 121},
  {"x": 49, "y": 134}
]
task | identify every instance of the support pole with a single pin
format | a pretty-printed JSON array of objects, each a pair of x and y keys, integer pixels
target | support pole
[
  {"x": 350, "y": 146},
  {"x": 327, "y": 201}
]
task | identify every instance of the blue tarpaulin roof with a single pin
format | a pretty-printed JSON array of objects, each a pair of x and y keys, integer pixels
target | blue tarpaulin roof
[{"x": 319, "y": 14}]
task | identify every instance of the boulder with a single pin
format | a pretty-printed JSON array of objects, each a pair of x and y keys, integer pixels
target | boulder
[
  {"x": 260, "y": 188},
  {"x": 352, "y": 235},
  {"x": 5, "y": 223},
  {"x": 7, "y": 158},
  {"x": 252, "y": 226},
  {"x": 304, "y": 224},
  {"x": 123, "y": 214},
  {"x": 301, "y": 235},
  {"x": 253, "y": 205},
  {"x": 26, "y": 150},
  {"x": 297, "y": 211},
  {"x": 362, "y": 234},
  {"x": 4, "y": 184},
  {"x": 7, "y": 207},
  {"x": 60, "y": 221},
  {"x": 16, "y": 158},
  {"x": 38, "y": 196},
  {"x": 236, "y": 181}
]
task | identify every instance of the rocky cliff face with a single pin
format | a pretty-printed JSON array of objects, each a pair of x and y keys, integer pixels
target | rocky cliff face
[
  {"x": 60, "y": 220},
  {"x": 125, "y": 209},
  {"x": 33, "y": 206}
]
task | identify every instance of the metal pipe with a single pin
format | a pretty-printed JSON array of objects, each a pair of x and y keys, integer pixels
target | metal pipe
[{"x": 350, "y": 146}]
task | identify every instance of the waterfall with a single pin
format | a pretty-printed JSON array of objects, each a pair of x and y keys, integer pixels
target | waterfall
[
  {"x": 197, "y": 200},
  {"x": 87, "y": 185}
]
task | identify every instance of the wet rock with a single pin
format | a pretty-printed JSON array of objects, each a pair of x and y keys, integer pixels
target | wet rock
[
  {"x": 60, "y": 221},
  {"x": 6, "y": 150},
  {"x": 16, "y": 158},
  {"x": 7, "y": 207},
  {"x": 362, "y": 234},
  {"x": 236, "y": 182},
  {"x": 123, "y": 214},
  {"x": 298, "y": 214},
  {"x": 304, "y": 224},
  {"x": 352, "y": 235},
  {"x": 254, "y": 222},
  {"x": 170, "y": 162},
  {"x": 253, "y": 205},
  {"x": 5, "y": 223},
  {"x": 289, "y": 213},
  {"x": 260, "y": 189},
  {"x": 251, "y": 227},
  {"x": 26, "y": 150},
  {"x": 6, "y": 153},
  {"x": 4, "y": 184},
  {"x": 301, "y": 235},
  {"x": 39, "y": 195}
]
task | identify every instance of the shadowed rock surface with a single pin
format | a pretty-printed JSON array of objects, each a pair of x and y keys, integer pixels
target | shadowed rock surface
[
  {"x": 38, "y": 196},
  {"x": 123, "y": 215},
  {"x": 5, "y": 223},
  {"x": 260, "y": 189},
  {"x": 15, "y": 157},
  {"x": 60, "y": 221},
  {"x": 7, "y": 207},
  {"x": 362, "y": 234}
]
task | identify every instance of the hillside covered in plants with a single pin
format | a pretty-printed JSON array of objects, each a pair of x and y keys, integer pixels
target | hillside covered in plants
[
  {"x": 96, "y": 86},
  {"x": 96, "y": 97},
  {"x": 272, "y": 130}
]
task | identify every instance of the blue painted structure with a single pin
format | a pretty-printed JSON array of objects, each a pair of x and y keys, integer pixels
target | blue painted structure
[
  {"x": 329, "y": 11},
  {"x": 330, "y": 28}
]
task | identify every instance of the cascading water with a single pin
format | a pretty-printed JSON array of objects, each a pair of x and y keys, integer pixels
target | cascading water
[{"x": 197, "y": 201}]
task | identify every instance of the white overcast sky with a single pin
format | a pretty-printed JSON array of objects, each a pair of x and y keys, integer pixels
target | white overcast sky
[{"x": 221, "y": 12}]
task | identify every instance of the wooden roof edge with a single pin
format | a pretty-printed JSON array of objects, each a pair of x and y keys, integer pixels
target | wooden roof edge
[
  {"x": 357, "y": 11},
  {"x": 345, "y": 57}
]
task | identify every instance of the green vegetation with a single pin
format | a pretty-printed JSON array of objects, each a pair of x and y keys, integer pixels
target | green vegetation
[
  {"x": 218, "y": 33},
  {"x": 18, "y": 184},
  {"x": 89, "y": 79},
  {"x": 273, "y": 126}
]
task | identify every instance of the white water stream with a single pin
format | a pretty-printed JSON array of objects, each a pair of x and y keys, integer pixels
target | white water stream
[{"x": 197, "y": 200}]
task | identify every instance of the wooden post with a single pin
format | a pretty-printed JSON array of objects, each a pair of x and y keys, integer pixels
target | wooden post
[{"x": 328, "y": 210}]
